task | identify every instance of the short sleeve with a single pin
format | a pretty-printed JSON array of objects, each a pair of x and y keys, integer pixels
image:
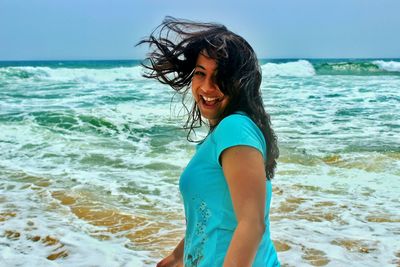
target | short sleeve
[{"x": 236, "y": 130}]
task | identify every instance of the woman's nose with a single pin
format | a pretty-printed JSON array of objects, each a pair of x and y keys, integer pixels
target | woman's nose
[{"x": 209, "y": 86}]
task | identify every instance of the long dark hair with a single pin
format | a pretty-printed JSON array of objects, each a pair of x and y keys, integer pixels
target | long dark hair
[{"x": 176, "y": 44}]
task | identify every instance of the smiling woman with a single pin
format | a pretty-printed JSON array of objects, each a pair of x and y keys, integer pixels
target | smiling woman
[
  {"x": 226, "y": 187},
  {"x": 209, "y": 98}
]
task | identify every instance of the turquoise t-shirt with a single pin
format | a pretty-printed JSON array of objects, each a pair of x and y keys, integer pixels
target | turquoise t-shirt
[{"x": 210, "y": 218}]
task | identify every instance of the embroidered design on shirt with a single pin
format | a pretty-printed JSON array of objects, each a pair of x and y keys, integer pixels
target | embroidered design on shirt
[{"x": 195, "y": 256}]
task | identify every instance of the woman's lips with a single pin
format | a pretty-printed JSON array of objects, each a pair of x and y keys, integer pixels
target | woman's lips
[{"x": 210, "y": 101}]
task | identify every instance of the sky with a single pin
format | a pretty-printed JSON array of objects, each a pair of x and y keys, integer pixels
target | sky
[{"x": 109, "y": 29}]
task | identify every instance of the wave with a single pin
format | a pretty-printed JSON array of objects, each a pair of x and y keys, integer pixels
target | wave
[
  {"x": 304, "y": 68},
  {"x": 71, "y": 74},
  {"x": 393, "y": 66},
  {"x": 358, "y": 68},
  {"x": 300, "y": 68}
]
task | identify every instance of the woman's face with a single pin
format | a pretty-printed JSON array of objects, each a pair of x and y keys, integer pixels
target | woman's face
[{"x": 209, "y": 98}]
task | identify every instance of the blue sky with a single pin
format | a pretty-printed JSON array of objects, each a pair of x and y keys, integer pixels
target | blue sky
[{"x": 99, "y": 29}]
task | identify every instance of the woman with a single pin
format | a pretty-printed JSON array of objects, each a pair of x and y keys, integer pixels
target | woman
[{"x": 226, "y": 186}]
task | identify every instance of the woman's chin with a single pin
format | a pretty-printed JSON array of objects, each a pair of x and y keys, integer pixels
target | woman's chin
[
  {"x": 212, "y": 118},
  {"x": 211, "y": 112}
]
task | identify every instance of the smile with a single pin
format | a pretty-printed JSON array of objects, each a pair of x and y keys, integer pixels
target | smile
[
  {"x": 209, "y": 101},
  {"x": 210, "y": 98}
]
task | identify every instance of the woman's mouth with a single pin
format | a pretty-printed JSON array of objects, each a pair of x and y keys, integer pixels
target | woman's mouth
[{"x": 210, "y": 101}]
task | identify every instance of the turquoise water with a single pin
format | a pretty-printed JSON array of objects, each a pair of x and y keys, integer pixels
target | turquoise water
[{"x": 91, "y": 155}]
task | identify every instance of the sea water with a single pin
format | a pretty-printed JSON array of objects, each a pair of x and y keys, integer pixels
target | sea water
[{"x": 91, "y": 154}]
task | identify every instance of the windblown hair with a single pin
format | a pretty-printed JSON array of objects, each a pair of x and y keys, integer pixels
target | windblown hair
[{"x": 175, "y": 46}]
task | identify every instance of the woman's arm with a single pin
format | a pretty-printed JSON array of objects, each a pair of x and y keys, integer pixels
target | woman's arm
[
  {"x": 244, "y": 171},
  {"x": 175, "y": 259}
]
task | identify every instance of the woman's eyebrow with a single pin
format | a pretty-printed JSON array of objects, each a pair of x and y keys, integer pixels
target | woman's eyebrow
[{"x": 200, "y": 66}]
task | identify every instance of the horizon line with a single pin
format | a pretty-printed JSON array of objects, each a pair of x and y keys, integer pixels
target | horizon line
[{"x": 137, "y": 59}]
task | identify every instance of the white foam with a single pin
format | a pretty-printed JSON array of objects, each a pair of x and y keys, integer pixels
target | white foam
[
  {"x": 136, "y": 147},
  {"x": 355, "y": 195},
  {"x": 35, "y": 216},
  {"x": 82, "y": 74},
  {"x": 300, "y": 68},
  {"x": 388, "y": 65}
]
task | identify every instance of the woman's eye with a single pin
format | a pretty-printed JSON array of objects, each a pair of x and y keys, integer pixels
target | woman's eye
[{"x": 199, "y": 73}]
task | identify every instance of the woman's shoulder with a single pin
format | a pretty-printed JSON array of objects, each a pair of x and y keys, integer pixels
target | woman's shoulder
[
  {"x": 238, "y": 124},
  {"x": 236, "y": 121},
  {"x": 238, "y": 129}
]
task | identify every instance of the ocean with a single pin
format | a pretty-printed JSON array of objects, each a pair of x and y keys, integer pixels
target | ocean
[{"x": 91, "y": 154}]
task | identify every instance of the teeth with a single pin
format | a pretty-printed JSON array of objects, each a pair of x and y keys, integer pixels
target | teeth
[{"x": 209, "y": 98}]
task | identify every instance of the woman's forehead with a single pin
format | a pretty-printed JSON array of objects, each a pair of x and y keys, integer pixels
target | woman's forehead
[{"x": 206, "y": 62}]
